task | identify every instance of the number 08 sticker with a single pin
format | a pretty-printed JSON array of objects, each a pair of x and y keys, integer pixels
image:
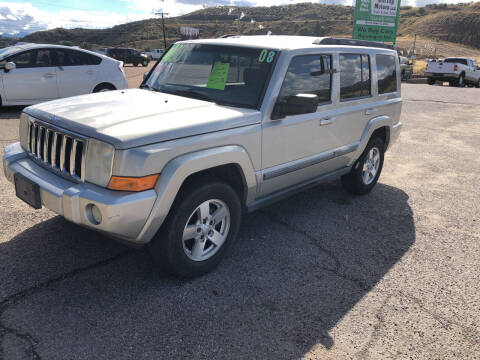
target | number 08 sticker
[{"x": 266, "y": 56}]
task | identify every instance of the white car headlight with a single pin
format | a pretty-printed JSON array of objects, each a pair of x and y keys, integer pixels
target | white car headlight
[{"x": 99, "y": 162}]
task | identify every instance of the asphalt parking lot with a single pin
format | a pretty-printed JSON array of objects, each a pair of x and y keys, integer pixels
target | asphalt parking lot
[{"x": 322, "y": 275}]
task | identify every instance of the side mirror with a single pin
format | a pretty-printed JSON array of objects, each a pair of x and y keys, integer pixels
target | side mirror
[
  {"x": 295, "y": 105},
  {"x": 10, "y": 66},
  {"x": 145, "y": 76}
]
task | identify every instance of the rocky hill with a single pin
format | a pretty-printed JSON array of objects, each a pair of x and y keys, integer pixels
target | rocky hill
[{"x": 455, "y": 23}]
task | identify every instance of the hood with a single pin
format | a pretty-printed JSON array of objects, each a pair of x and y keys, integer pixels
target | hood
[{"x": 136, "y": 117}]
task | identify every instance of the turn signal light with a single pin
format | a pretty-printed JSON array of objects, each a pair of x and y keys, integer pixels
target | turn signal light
[{"x": 133, "y": 183}]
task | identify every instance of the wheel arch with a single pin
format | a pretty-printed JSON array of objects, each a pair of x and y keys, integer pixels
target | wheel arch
[
  {"x": 105, "y": 83},
  {"x": 228, "y": 163}
]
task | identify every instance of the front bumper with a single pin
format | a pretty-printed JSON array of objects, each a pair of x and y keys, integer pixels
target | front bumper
[{"x": 124, "y": 214}]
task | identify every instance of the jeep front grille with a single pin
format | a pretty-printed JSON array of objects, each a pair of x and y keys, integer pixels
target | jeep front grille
[{"x": 60, "y": 150}]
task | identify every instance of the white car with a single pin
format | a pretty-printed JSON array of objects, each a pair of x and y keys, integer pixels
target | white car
[
  {"x": 34, "y": 73},
  {"x": 155, "y": 54}
]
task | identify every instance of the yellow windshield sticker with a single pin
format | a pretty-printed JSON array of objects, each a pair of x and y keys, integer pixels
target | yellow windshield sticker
[{"x": 218, "y": 76}]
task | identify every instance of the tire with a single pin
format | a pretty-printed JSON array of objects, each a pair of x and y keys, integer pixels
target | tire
[
  {"x": 451, "y": 83},
  {"x": 135, "y": 64},
  {"x": 403, "y": 77},
  {"x": 103, "y": 88},
  {"x": 145, "y": 63},
  {"x": 359, "y": 181},
  {"x": 191, "y": 253},
  {"x": 477, "y": 85},
  {"x": 431, "y": 81},
  {"x": 461, "y": 81}
]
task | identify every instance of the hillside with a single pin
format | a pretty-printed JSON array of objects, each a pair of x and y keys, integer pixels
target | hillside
[{"x": 455, "y": 23}]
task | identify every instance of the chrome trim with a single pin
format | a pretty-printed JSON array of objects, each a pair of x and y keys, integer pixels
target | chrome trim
[
  {"x": 292, "y": 166},
  {"x": 39, "y": 131}
]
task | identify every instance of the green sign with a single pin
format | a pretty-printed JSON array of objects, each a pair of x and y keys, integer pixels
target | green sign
[
  {"x": 376, "y": 20},
  {"x": 218, "y": 76}
]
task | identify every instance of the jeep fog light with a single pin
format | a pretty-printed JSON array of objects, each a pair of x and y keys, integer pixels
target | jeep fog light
[{"x": 94, "y": 215}]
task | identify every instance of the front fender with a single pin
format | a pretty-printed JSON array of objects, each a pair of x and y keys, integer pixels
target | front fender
[{"x": 178, "y": 169}]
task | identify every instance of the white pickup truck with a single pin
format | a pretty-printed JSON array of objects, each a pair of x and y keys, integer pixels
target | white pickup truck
[
  {"x": 154, "y": 54},
  {"x": 457, "y": 71}
]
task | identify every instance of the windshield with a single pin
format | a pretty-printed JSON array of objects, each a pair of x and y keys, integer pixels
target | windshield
[
  {"x": 4, "y": 52},
  {"x": 226, "y": 75}
]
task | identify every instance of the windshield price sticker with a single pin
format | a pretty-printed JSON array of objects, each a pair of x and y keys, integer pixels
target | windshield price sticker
[
  {"x": 218, "y": 76},
  {"x": 266, "y": 56}
]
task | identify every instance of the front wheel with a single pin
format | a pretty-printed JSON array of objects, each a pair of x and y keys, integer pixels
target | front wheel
[
  {"x": 366, "y": 171},
  {"x": 202, "y": 225},
  {"x": 145, "y": 63},
  {"x": 430, "y": 81}
]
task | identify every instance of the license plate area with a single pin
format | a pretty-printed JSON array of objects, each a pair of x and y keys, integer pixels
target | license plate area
[{"x": 27, "y": 190}]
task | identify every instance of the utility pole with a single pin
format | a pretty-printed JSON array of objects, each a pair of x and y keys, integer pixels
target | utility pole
[
  {"x": 163, "y": 27},
  {"x": 414, "y": 43}
]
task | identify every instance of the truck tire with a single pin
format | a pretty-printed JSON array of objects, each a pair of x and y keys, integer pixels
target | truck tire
[
  {"x": 366, "y": 170},
  {"x": 461, "y": 81},
  {"x": 145, "y": 63},
  {"x": 431, "y": 81},
  {"x": 199, "y": 230}
]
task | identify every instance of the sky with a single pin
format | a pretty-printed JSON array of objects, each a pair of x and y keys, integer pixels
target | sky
[{"x": 18, "y": 18}]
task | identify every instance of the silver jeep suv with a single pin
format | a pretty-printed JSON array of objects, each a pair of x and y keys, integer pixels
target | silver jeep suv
[{"x": 219, "y": 126}]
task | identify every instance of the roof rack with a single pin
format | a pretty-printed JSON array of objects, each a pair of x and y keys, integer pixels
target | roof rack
[{"x": 352, "y": 42}]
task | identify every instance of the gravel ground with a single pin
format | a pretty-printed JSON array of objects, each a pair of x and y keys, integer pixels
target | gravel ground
[{"x": 322, "y": 275}]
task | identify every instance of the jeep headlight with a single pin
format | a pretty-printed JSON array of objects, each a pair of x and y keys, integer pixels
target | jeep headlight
[
  {"x": 99, "y": 162},
  {"x": 23, "y": 130}
]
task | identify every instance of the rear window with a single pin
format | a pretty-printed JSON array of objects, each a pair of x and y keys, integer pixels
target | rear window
[
  {"x": 456, "y": 60},
  {"x": 386, "y": 73}
]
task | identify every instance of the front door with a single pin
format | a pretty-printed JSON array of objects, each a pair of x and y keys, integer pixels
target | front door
[
  {"x": 34, "y": 78},
  {"x": 298, "y": 147}
]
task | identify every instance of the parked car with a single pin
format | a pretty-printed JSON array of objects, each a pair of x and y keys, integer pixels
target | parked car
[
  {"x": 457, "y": 71},
  {"x": 128, "y": 56},
  {"x": 102, "y": 51},
  {"x": 406, "y": 68},
  {"x": 224, "y": 126},
  {"x": 155, "y": 54},
  {"x": 33, "y": 73}
]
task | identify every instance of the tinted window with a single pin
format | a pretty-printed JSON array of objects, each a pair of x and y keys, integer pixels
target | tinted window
[
  {"x": 386, "y": 74},
  {"x": 78, "y": 58},
  {"x": 354, "y": 76},
  {"x": 456, "y": 60},
  {"x": 308, "y": 74},
  {"x": 23, "y": 60},
  {"x": 43, "y": 58}
]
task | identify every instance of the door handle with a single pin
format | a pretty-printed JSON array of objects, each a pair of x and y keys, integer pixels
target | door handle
[
  {"x": 49, "y": 75},
  {"x": 370, "y": 111},
  {"x": 327, "y": 121},
  {"x": 90, "y": 72}
]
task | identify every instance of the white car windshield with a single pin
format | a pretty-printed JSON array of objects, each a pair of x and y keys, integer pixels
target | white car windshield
[{"x": 227, "y": 75}]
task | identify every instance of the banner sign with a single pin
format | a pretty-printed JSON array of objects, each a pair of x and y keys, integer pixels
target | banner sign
[
  {"x": 376, "y": 20},
  {"x": 189, "y": 33}
]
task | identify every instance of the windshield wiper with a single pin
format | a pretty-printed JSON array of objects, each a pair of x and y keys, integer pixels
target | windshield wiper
[{"x": 193, "y": 94}]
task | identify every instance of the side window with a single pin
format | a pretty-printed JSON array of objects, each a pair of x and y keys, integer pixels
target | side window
[
  {"x": 94, "y": 60},
  {"x": 309, "y": 74},
  {"x": 354, "y": 76},
  {"x": 23, "y": 60},
  {"x": 43, "y": 58},
  {"x": 386, "y": 74},
  {"x": 61, "y": 58},
  {"x": 77, "y": 58}
]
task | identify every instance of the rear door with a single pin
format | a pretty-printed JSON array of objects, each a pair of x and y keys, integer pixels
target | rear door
[
  {"x": 76, "y": 72},
  {"x": 33, "y": 80}
]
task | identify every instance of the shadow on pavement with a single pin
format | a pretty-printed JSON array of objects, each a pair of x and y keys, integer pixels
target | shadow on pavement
[
  {"x": 298, "y": 267},
  {"x": 9, "y": 112}
]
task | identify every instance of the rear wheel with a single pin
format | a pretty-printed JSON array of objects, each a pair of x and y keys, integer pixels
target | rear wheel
[
  {"x": 366, "y": 171},
  {"x": 477, "y": 85},
  {"x": 431, "y": 81},
  {"x": 103, "y": 88},
  {"x": 202, "y": 225},
  {"x": 461, "y": 81},
  {"x": 145, "y": 63},
  {"x": 135, "y": 64}
]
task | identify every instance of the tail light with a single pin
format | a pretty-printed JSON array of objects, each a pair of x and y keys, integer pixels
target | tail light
[
  {"x": 120, "y": 67},
  {"x": 455, "y": 67}
]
